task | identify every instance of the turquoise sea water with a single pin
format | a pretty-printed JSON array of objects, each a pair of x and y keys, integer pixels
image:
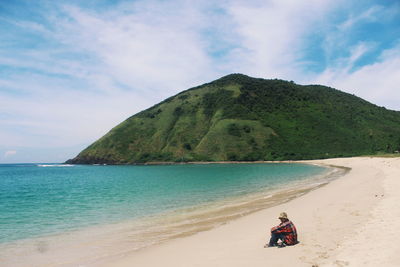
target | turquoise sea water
[{"x": 42, "y": 199}]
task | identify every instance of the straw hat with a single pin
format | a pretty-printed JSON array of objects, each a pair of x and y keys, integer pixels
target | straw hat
[{"x": 283, "y": 215}]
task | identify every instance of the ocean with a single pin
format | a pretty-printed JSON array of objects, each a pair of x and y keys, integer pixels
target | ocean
[{"x": 42, "y": 205}]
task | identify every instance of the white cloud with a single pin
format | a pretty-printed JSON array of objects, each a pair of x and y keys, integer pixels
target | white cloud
[
  {"x": 357, "y": 52},
  {"x": 371, "y": 14},
  {"x": 346, "y": 64},
  {"x": 271, "y": 35},
  {"x": 377, "y": 83},
  {"x": 10, "y": 153},
  {"x": 56, "y": 117},
  {"x": 156, "y": 48}
]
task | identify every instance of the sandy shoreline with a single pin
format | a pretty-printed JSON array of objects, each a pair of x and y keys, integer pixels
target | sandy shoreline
[{"x": 340, "y": 224}]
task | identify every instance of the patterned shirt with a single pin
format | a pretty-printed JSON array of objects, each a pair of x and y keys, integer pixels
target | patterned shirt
[{"x": 288, "y": 230}]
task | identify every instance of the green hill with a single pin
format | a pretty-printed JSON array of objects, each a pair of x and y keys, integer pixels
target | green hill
[{"x": 239, "y": 118}]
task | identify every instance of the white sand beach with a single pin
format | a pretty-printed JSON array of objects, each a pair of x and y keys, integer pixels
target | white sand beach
[{"x": 352, "y": 221}]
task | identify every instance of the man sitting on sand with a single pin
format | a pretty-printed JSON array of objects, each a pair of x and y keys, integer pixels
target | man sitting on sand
[{"x": 285, "y": 231}]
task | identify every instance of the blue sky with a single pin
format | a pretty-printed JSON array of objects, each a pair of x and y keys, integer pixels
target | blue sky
[{"x": 72, "y": 70}]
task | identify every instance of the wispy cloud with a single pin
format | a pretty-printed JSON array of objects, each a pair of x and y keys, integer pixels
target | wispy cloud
[
  {"x": 10, "y": 153},
  {"x": 377, "y": 83},
  {"x": 269, "y": 35},
  {"x": 370, "y": 15},
  {"x": 155, "y": 47}
]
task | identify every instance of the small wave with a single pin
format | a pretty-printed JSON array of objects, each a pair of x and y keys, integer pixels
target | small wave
[{"x": 55, "y": 165}]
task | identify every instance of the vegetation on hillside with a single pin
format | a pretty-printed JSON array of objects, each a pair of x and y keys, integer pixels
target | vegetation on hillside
[{"x": 239, "y": 118}]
